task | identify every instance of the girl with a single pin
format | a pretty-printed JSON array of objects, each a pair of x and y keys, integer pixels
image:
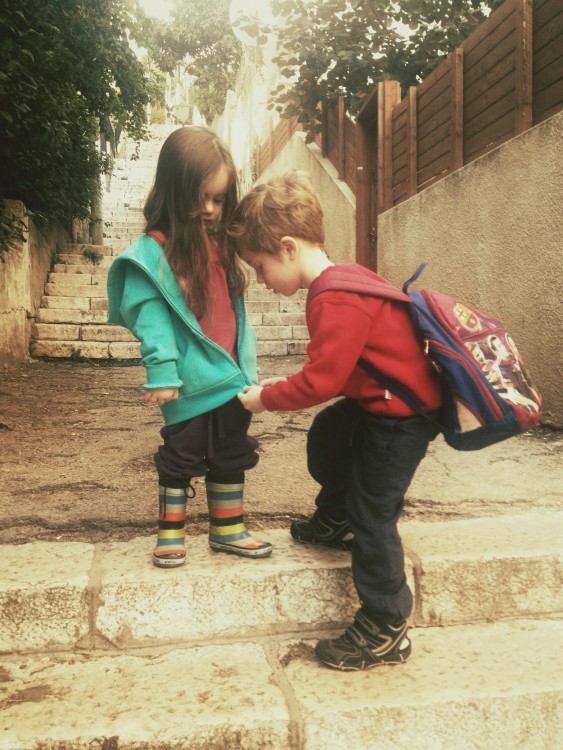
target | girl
[{"x": 179, "y": 290}]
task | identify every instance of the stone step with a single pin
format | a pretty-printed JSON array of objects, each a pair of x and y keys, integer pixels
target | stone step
[
  {"x": 77, "y": 259},
  {"x": 486, "y": 686},
  {"x": 52, "y": 346},
  {"x": 80, "y": 249},
  {"x": 70, "y": 595},
  {"x": 92, "y": 302},
  {"x": 68, "y": 333},
  {"x": 75, "y": 289},
  {"x": 50, "y": 315},
  {"x": 84, "y": 349},
  {"x": 81, "y": 268}
]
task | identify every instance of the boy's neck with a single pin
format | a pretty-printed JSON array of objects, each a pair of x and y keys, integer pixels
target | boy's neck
[{"x": 315, "y": 261}]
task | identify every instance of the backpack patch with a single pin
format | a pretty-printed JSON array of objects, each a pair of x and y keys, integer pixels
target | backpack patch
[{"x": 491, "y": 395}]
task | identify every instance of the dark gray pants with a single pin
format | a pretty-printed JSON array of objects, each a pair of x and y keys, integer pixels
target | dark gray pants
[
  {"x": 215, "y": 442},
  {"x": 365, "y": 464}
]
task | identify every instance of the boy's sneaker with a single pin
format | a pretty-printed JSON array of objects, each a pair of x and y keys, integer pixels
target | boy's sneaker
[
  {"x": 366, "y": 644},
  {"x": 321, "y": 529}
]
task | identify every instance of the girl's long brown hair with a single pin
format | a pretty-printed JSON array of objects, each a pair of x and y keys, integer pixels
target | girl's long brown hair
[{"x": 188, "y": 157}]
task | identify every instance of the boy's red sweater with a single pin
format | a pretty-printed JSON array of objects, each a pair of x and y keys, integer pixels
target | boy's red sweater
[{"x": 344, "y": 326}]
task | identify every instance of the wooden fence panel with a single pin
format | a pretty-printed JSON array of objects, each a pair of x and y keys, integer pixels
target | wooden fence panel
[
  {"x": 350, "y": 153},
  {"x": 400, "y": 152},
  {"x": 434, "y": 126},
  {"x": 490, "y": 83},
  {"x": 548, "y": 59},
  {"x": 332, "y": 135}
]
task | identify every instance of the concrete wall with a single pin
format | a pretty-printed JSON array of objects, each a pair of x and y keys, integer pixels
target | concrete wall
[
  {"x": 22, "y": 279},
  {"x": 492, "y": 235},
  {"x": 337, "y": 200}
]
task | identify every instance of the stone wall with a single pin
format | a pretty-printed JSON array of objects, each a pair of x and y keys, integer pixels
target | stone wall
[{"x": 22, "y": 278}]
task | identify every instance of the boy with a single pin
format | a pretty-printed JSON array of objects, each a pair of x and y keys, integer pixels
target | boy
[{"x": 364, "y": 448}]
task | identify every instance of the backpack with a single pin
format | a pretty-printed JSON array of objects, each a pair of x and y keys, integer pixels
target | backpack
[{"x": 488, "y": 393}]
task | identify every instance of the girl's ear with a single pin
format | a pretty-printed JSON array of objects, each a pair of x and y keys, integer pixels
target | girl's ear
[{"x": 289, "y": 245}]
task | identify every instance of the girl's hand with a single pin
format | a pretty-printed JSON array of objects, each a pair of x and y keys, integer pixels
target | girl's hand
[
  {"x": 160, "y": 396},
  {"x": 250, "y": 399},
  {"x": 271, "y": 381}
]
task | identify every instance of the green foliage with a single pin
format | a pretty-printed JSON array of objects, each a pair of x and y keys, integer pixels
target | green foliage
[
  {"x": 93, "y": 256},
  {"x": 332, "y": 48},
  {"x": 215, "y": 73},
  {"x": 65, "y": 66},
  {"x": 200, "y": 40}
]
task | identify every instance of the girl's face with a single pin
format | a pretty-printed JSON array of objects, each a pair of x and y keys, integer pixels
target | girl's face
[{"x": 213, "y": 195}]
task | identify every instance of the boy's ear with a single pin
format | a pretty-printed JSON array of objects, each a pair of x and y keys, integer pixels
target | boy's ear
[{"x": 289, "y": 244}]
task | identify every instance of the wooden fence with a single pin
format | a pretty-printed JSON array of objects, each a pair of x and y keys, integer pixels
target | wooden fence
[{"x": 506, "y": 77}]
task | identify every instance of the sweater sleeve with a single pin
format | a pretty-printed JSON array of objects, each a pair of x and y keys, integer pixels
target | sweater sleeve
[
  {"x": 338, "y": 331},
  {"x": 147, "y": 316}
]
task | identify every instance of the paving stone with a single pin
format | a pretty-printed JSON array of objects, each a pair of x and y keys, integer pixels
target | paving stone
[
  {"x": 208, "y": 698},
  {"x": 487, "y": 569},
  {"x": 43, "y": 596},
  {"x": 484, "y": 687},
  {"x": 461, "y": 689}
]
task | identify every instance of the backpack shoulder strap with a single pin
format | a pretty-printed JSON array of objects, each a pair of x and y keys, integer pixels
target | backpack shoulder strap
[{"x": 356, "y": 279}]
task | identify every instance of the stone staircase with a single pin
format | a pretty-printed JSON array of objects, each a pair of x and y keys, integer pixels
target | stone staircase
[
  {"x": 71, "y": 322},
  {"x": 100, "y": 649}
]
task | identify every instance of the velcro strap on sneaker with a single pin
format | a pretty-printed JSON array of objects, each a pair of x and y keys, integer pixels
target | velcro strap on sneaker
[
  {"x": 367, "y": 624},
  {"x": 357, "y": 636}
]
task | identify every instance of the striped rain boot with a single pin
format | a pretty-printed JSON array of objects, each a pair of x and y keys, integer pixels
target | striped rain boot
[
  {"x": 170, "y": 551},
  {"x": 227, "y": 532}
]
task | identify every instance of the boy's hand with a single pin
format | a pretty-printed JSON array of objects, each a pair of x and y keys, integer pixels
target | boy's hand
[
  {"x": 271, "y": 381},
  {"x": 160, "y": 396},
  {"x": 250, "y": 399}
]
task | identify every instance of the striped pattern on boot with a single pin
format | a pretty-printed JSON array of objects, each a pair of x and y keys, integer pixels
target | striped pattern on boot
[
  {"x": 170, "y": 551},
  {"x": 227, "y": 532}
]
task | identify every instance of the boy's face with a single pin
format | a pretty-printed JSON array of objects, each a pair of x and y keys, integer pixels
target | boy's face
[{"x": 278, "y": 272}]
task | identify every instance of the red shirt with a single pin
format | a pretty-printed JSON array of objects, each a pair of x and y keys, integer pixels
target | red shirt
[
  {"x": 219, "y": 324},
  {"x": 343, "y": 327}
]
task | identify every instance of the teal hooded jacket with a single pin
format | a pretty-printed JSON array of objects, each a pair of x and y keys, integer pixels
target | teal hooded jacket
[{"x": 145, "y": 297}]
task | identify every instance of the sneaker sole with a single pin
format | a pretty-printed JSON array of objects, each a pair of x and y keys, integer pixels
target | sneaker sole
[
  {"x": 400, "y": 658},
  {"x": 240, "y": 551},
  {"x": 346, "y": 546},
  {"x": 162, "y": 562}
]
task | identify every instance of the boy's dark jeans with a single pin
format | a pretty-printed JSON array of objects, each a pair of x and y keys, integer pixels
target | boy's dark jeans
[{"x": 365, "y": 464}]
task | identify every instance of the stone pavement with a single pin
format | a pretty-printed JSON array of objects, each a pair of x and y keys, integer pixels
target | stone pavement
[{"x": 100, "y": 649}]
